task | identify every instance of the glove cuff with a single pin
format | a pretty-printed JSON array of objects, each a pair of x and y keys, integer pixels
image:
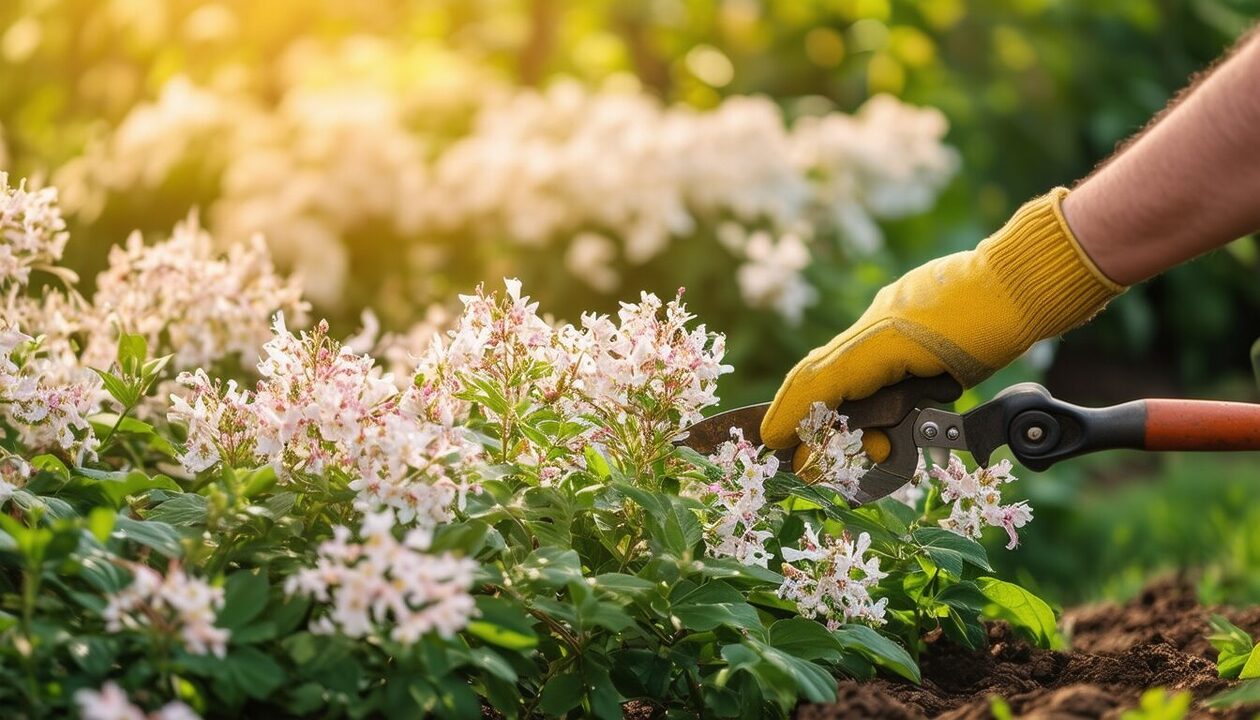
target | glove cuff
[{"x": 1045, "y": 271}]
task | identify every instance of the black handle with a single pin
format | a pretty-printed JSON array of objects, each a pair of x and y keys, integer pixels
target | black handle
[{"x": 1041, "y": 430}]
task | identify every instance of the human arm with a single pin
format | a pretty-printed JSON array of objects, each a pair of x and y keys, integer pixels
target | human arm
[{"x": 1188, "y": 184}]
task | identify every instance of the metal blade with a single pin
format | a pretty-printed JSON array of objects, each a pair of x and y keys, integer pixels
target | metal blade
[{"x": 705, "y": 436}]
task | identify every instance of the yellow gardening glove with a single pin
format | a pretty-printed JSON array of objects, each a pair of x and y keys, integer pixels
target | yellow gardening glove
[{"x": 966, "y": 314}]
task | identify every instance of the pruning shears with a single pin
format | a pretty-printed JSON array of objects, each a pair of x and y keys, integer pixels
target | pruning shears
[{"x": 1039, "y": 429}]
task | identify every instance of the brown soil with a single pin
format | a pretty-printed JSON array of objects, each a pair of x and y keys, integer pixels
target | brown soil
[{"x": 1155, "y": 640}]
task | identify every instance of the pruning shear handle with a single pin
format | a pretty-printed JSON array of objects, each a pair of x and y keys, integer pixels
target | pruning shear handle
[{"x": 1042, "y": 430}]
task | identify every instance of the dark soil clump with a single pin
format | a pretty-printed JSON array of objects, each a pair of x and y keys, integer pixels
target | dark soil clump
[{"x": 1118, "y": 651}]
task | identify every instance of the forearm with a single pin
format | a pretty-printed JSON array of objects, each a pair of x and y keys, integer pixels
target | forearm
[{"x": 1189, "y": 184}]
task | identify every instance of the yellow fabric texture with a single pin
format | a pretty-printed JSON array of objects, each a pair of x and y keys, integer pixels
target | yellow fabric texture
[{"x": 966, "y": 314}]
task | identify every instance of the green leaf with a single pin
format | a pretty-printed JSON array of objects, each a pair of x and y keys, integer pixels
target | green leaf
[
  {"x": 468, "y": 537},
  {"x": 879, "y": 650},
  {"x": 712, "y": 605},
  {"x": 135, "y": 482},
  {"x": 1247, "y": 693},
  {"x": 1233, "y": 645},
  {"x": 622, "y": 584},
  {"x": 493, "y": 663},
  {"x": 750, "y": 575},
  {"x": 100, "y": 522},
  {"x": 244, "y": 597},
  {"x": 672, "y": 521},
  {"x": 156, "y": 535},
  {"x": 94, "y": 654},
  {"x": 182, "y": 510},
  {"x": 964, "y": 629},
  {"x": 1158, "y": 704},
  {"x": 254, "y": 672},
  {"x": 812, "y": 680},
  {"x": 805, "y": 639},
  {"x": 550, "y": 567},
  {"x": 132, "y": 350},
  {"x": 562, "y": 693},
  {"x": 1251, "y": 670},
  {"x": 1026, "y": 612},
  {"x": 503, "y": 623},
  {"x": 118, "y": 388},
  {"x": 941, "y": 543}
]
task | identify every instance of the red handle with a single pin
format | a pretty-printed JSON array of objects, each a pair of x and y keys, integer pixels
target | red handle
[{"x": 1202, "y": 425}]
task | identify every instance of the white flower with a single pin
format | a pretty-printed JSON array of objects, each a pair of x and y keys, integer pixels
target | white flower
[
  {"x": 976, "y": 499},
  {"x": 831, "y": 578},
  {"x": 590, "y": 259},
  {"x": 187, "y": 298},
  {"x": 386, "y": 585},
  {"x": 355, "y": 140},
  {"x": 111, "y": 703},
  {"x": 739, "y": 526},
  {"x": 220, "y": 421},
  {"x": 771, "y": 276},
  {"x": 47, "y": 404},
  {"x": 32, "y": 231},
  {"x": 836, "y": 459},
  {"x": 177, "y": 604}
]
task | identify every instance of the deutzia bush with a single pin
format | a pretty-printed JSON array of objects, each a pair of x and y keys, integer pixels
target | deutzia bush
[
  {"x": 343, "y": 165},
  {"x": 511, "y": 526}
]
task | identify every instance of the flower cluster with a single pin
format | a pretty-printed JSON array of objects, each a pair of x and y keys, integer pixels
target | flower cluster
[
  {"x": 180, "y": 294},
  {"x": 650, "y": 366},
  {"x": 836, "y": 459},
  {"x": 609, "y": 175},
  {"x": 646, "y": 372},
  {"x": 32, "y": 231},
  {"x": 319, "y": 407},
  {"x": 219, "y": 419},
  {"x": 111, "y": 703},
  {"x": 832, "y": 578},
  {"x": 381, "y": 582},
  {"x": 738, "y": 499},
  {"x": 770, "y": 276},
  {"x": 314, "y": 401},
  {"x": 184, "y": 295},
  {"x": 885, "y": 161},
  {"x": 177, "y": 605},
  {"x": 977, "y": 500},
  {"x": 47, "y": 412}
]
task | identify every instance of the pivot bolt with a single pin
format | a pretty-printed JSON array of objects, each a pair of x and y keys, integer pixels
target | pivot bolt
[
  {"x": 1035, "y": 433},
  {"x": 929, "y": 430},
  {"x": 952, "y": 433}
]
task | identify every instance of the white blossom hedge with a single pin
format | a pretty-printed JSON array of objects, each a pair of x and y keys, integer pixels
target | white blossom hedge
[
  {"x": 233, "y": 513},
  {"x": 357, "y": 156}
]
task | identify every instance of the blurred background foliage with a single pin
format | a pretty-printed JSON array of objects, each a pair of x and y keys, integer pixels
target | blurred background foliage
[{"x": 1036, "y": 93}]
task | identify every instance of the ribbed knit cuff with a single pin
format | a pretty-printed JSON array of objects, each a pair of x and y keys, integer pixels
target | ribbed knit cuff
[{"x": 1045, "y": 271}]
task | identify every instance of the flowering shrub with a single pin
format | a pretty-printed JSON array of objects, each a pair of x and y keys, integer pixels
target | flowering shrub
[
  {"x": 602, "y": 179},
  {"x": 514, "y": 526}
]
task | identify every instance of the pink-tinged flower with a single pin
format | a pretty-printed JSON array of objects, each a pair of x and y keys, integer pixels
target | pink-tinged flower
[
  {"x": 176, "y": 604},
  {"x": 32, "y": 231},
  {"x": 738, "y": 519},
  {"x": 836, "y": 459},
  {"x": 382, "y": 585},
  {"x": 189, "y": 299},
  {"x": 48, "y": 406},
  {"x": 220, "y": 421},
  {"x": 976, "y": 499},
  {"x": 645, "y": 374},
  {"x": 111, "y": 703},
  {"x": 832, "y": 579}
]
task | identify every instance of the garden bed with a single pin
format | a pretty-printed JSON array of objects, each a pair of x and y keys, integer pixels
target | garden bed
[{"x": 1158, "y": 639}]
